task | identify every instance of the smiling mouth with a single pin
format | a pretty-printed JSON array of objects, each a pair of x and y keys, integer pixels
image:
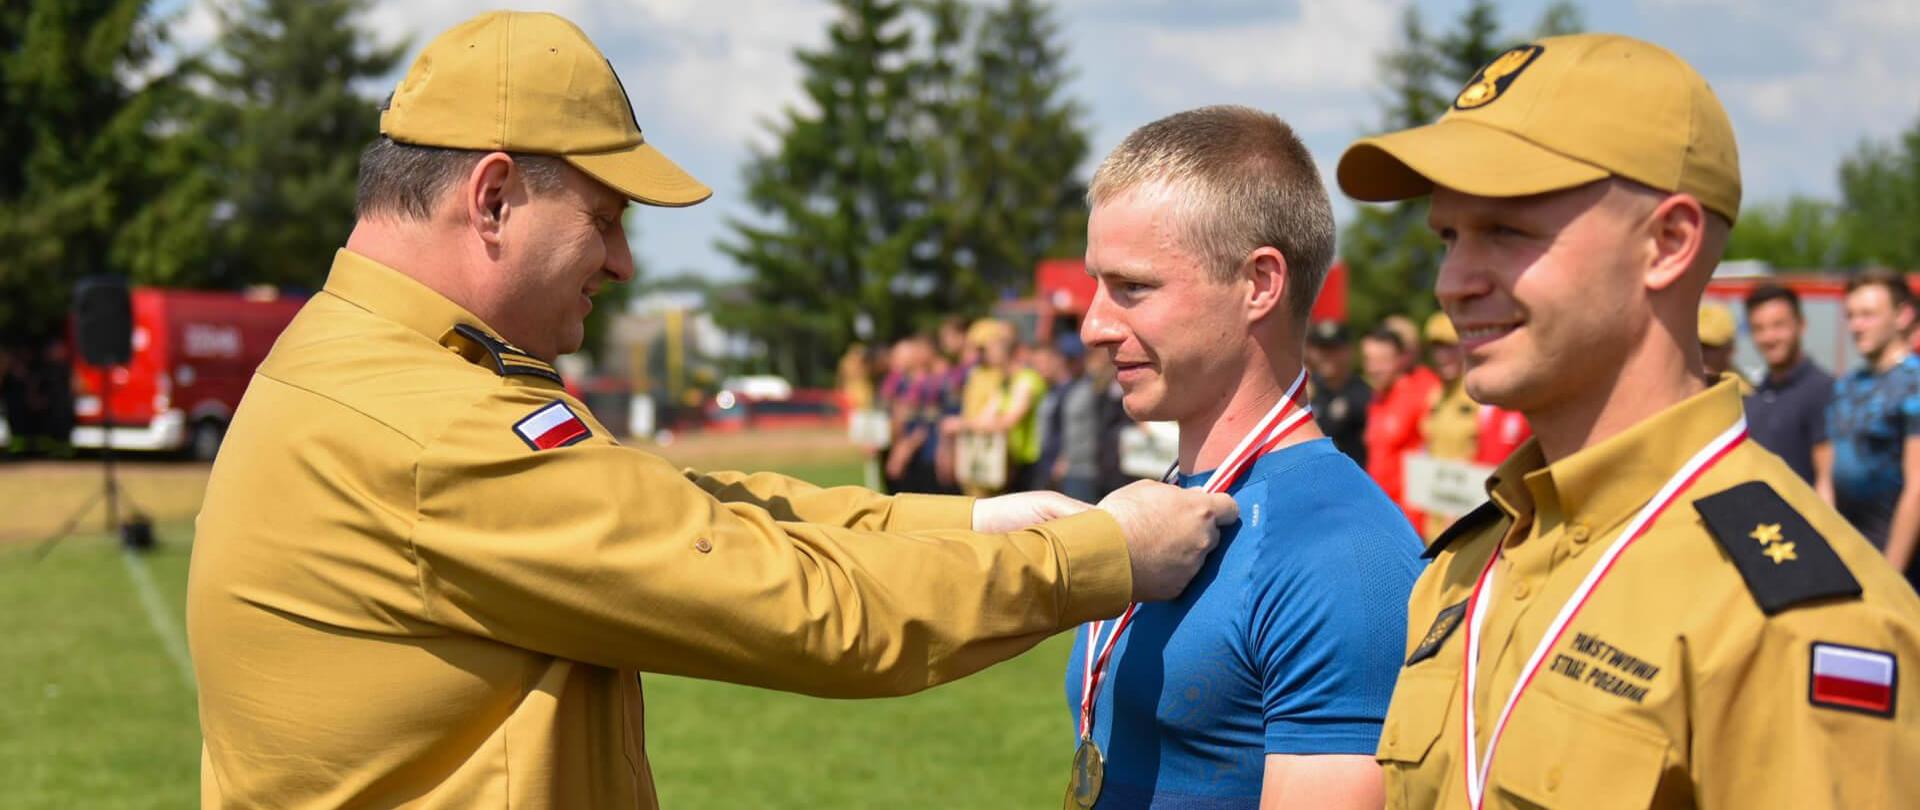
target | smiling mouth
[{"x": 1476, "y": 335}]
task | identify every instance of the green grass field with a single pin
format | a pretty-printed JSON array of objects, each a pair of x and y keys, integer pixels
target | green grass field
[{"x": 93, "y": 712}]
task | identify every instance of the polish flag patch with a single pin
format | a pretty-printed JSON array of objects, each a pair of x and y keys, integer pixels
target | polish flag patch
[
  {"x": 552, "y": 426},
  {"x": 1854, "y": 679}
]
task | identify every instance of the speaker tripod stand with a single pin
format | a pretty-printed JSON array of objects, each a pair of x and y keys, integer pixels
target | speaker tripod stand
[{"x": 136, "y": 534}]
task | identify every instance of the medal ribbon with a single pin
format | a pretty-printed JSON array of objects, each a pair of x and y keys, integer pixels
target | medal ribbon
[
  {"x": 1286, "y": 416},
  {"x": 1477, "y": 764}
]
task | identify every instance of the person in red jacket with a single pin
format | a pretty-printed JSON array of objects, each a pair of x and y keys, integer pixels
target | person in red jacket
[
  {"x": 1501, "y": 432},
  {"x": 1400, "y": 398}
]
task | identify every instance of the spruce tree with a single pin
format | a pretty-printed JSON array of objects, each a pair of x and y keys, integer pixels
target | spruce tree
[
  {"x": 1390, "y": 253},
  {"x": 78, "y": 149},
  {"x": 1022, "y": 140},
  {"x": 841, "y": 201},
  {"x": 289, "y": 125}
]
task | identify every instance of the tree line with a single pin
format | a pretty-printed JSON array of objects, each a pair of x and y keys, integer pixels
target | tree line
[
  {"x": 935, "y": 158},
  {"x": 934, "y": 161},
  {"x": 121, "y": 154}
]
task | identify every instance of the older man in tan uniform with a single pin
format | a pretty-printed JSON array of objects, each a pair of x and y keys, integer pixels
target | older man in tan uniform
[{"x": 426, "y": 576}]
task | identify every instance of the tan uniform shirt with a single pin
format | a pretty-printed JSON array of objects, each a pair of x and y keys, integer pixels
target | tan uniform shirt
[
  {"x": 1672, "y": 687},
  {"x": 1451, "y": 430},
  {"x": 396, "y": 599},
  {"x": 1451, "y": 427}
]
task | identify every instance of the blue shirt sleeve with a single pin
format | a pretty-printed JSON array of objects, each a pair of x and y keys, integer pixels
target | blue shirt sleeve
[
  {"x": 1327, "y": 626},
  {"x": 1909, "y": 393}
]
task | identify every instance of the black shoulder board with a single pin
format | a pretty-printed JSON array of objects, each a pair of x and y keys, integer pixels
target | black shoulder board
[
  {"x": 1483, "y": 515},
  {"x": 507, "y": 358},
  {"x": 1784, "y": 561},
  {"x": 1444, "y": 623}
]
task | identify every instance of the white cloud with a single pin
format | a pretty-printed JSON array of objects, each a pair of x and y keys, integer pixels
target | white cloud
[
  {"x": 731, "y": 64},
  {"x": 1896, "y": 17},
  {"x": 1852, "y": 86},
  {"x": 1328, "y": 47},
  {"x": 1803, "y": 79},
  {"x": 722, "y": 64}
]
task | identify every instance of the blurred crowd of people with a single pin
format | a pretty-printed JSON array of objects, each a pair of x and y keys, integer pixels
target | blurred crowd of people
[
  {"x": 1855, "y": 437},
  {"x": 1048, "y": 413},
  {"x": 1053, "y": 409},
  {"x": 1409, "y": 398}
]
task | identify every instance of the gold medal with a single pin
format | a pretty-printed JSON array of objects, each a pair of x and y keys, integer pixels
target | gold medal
[{"x": 1089, "y": 770}]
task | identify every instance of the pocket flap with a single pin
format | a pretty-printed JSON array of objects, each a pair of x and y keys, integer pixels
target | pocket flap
[
  {"x": 1415, "y": 716},
  {"x": 1556, "y": 755}
]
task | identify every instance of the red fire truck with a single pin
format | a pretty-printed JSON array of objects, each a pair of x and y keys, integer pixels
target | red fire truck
[{"x": 193, "y": 353}]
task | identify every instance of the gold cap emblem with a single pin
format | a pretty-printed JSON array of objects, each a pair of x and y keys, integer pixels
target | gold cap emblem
[{"x": 1493, "y": 79}]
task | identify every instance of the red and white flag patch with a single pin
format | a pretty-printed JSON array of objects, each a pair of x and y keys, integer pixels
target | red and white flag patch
[
  {"x": 1854, "y": 679},
  {"x": 554, "y": 425}
]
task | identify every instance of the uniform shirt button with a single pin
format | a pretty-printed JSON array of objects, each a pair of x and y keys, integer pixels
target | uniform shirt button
[
  {"x": 1579, "y": 533},
  {"x": 1522, "y": 591},
  {"x": 1553, "y": 778},
  {"x": 701, "y": 545}
]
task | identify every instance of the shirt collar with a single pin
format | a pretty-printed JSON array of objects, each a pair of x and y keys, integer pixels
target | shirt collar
[
  {"x": 1866, "y": 369},
  {"x": 1600, "y": 485},
  {"x": 400, "y": 298},
  {"x": 1794, "y": 376},
  {"x": 1267, "y": 465}
]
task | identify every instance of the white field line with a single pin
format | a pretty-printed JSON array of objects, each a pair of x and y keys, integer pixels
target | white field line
[{"x": 157, "y": 616}]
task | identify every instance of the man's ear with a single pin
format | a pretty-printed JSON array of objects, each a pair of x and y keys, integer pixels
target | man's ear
[
  {"x": 1678, "y": 230},
  {"x": 1266, "y": 268},
  {"x": 484, "y": 197}
]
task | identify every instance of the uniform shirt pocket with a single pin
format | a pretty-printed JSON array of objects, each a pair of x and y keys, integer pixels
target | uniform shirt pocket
[
  {"x": 1415, "y": 716},
  {"x": 1556, "y": 755}
]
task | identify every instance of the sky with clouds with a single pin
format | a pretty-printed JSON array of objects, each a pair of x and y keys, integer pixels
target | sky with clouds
[{"x": 1803, "y": 81}]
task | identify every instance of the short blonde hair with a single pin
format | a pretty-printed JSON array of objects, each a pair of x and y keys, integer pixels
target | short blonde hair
[{"x": 1249, "y": 183}]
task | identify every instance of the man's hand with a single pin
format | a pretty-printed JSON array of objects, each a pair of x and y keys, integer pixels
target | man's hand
[
  {"x": 1009, "y": 513},
  {"x": 1169, "y": 532}
]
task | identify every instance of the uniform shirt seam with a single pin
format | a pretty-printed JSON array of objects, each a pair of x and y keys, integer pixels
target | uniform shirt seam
[
  {"x": 413, "y": 523},
  {"x": 419, "y": 570}
]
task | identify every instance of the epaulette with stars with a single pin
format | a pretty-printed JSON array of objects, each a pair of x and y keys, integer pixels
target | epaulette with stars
[{"x": 1783, "y": 560}]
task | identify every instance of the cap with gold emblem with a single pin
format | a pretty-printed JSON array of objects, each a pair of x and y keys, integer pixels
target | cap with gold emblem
[
  {"x": 1559, "y": 113},
  {"x": 532, "y": 82}
]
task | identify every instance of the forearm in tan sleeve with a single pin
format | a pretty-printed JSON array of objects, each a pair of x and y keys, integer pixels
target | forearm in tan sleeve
[
  {"x": 851, "y": 507},
  {"x": 607, "y": 555}
]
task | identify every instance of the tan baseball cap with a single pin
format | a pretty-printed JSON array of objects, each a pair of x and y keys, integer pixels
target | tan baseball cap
[
  {"x": 515, "y": 81},
  {"x": 1716, "y": 325},
  {"x": 1559, "y": 113}
]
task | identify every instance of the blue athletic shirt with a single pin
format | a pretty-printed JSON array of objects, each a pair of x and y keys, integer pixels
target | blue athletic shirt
[
  {"x": 1287, "y": 642},
  {"x": 1869, "y": 421}
]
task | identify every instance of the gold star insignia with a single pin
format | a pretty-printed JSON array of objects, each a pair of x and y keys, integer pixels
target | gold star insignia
[
  {"x": 1766, "y": 533},
  {"x": 1780, "y": 552}
]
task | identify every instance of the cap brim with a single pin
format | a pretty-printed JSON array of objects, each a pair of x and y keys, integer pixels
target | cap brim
[
  {"x": 1461, "y": 155},
  {"x": 643, "y": 174}
]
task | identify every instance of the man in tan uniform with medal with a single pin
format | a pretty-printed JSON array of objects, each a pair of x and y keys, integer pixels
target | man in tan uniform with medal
[
  {"x": 426, "y": 576},
  {"x": 1651, "y": 610}
]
